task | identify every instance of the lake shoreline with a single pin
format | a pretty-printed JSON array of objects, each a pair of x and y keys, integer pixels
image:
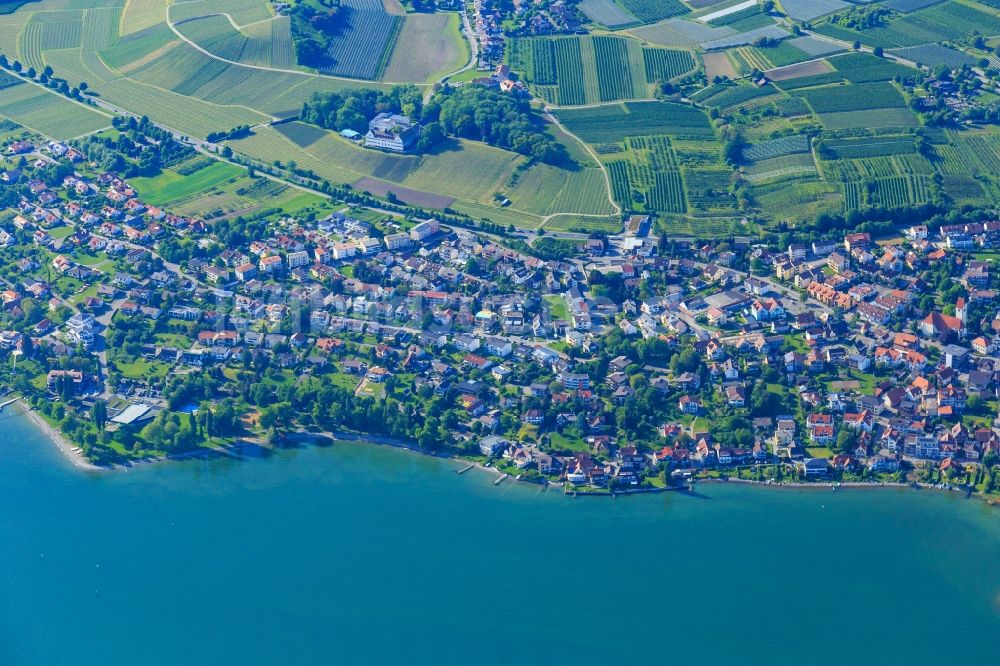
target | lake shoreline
[
  {"x": 66, "y": 447},
  {"x": 80, "y": 461}
]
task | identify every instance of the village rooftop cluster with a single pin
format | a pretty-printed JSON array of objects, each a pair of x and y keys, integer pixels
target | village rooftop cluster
[{"x": 628, "y": 363}]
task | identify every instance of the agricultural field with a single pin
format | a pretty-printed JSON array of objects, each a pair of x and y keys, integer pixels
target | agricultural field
[
  {"x": 461, "y": 175},
  {"x": 666, "y": 64},
  {"x": 362, "y": 49},
  {"x": 709, "y": 190},
  {"x": 881, "y": 146},
  {"x": 864, "y": 68},
  {"x": 934, "y": 54},
  {"x": 781, "y": 55},
  {"x": 152, "y": 72},
  {"x": 611, "y": 224},
  {"x": 48, "y": 113},
  {"x": 778, "y": 168},
  {"x": 215, "y": 189},
  {"x": 262, "y": 44},
  {"x": 170, "y": 187},
  {"x": 809, "y": 10},
  {"x": 884, "y": 118},
  {"x": 573, "y": 71},
  {"x": 619, "y": 121},
  {"x": 646, "y": 176},
  {"x": 858, "y": 97},
  {"x": 786, "y": 145},
  {"x": 546, "y": 190},
  {"x": 793, "y": 200},
  {"x": 607, "y": 13},
  {"x": 951, "y": 20},
  {"x": 718, "y": 65},
  {"x": 428, "y": 47},
  {"x": 649, "y": 11},
  {"x": 770, "y": 31},
  {"x": 138, "y": 15},
  {"x": 804, "y": 75},
  {"x": 831, "y": 132},
  {"x": 727, "y": 96},
  {"x": 242, "y": 12}
]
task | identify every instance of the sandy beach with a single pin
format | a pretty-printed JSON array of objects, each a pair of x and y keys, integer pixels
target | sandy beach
[{"x": 58, "y": 438}]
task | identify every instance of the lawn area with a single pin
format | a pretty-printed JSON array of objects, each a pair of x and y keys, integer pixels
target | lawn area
[
  {"x": 560, "y": 441},
  {"x": 170, "y": 186},
  {"x": 777, "y": 389},
  {"x": 862, "y": 381},
  {"x": 301, "y": 200},
  {"x": 286, "y": 377},
  {"x": 370, "y": 389},
  {"x": 987, "y": 256},
  {"x": 86, "y": 293},
  {"x": 60, "y": 232},
  {"x": 818, "y": 452},
  {"x": 557, "y": 306},
  {"x": 344, "y": 381},
  {"x": 797, "y": 343},
  {"x": 86, "y": 259},
  {"x": 173, "y": 340},
  {"x": 142, "y": 369}
]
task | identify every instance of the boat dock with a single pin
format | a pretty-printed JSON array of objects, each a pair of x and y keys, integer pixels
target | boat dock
[
  {"x": 500, "y": 480},
  {"x": 9, "y": 402},
  {"x": 465, "y": 469}
]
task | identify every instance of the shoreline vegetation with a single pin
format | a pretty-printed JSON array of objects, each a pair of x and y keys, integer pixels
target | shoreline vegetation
[
  {"x": 79, "y": 461},
  {"x": 67, "y": 448}
]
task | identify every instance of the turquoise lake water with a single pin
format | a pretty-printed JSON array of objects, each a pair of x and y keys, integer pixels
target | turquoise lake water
[{"x": 361, "y": 554}]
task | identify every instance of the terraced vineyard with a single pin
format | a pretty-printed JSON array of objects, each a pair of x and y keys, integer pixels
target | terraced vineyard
[
  {"x": 43, "y": 111},
  {"x": 573, "y": 71},
  {"x": 614, "y": 123},
  {"x": 828, "y": 133},
  {"x": 647, "y": 177},
  {"x": 708, "y": 191},
  {"x": 569, "y": 72},
  {"x": 361, "y": 50},
  {"x": 858, "y": 97},
  {"x": 871, "y": 147},
  {"x": 727, "y": 97},
  {"x": 666, "y": 64},
  {"x": 786, "y": 145},
  {"x": 949, "y": 20},
  {"x": 614, "y": 75},
  {"x": 649, "y": 11},
  {"x": 265, "y": 44}
]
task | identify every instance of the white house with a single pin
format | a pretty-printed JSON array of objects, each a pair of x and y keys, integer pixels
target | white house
[{"x": 394, "y": 132}]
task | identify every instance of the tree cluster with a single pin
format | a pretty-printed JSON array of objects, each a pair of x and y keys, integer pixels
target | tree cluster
[
  {"x": 470, "y": 112},
  {"x": 352, "y": 109},
  {"x": 315, "y": 23},
  {"x": 484, "y": 114}
]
